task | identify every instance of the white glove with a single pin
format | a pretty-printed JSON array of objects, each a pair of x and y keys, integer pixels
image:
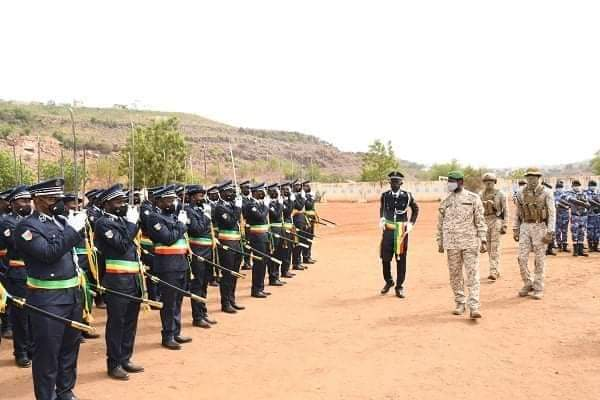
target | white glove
[
  {"x": 183, "y": 218},
  {"x": 267, "y": 201},
  {"x": 238, "y": 202},
  {"x": 292, "y": 197},
  {"x": 280, "y": 200},
  {"x": 132, "y": 215},
  {"x": 303, "y": 195},
  {"x": 409, "y": 227},
  {"x": 77, "y": 221},
  {"x": 382, "y": 223},
  {"x": 207, "y": 210}
]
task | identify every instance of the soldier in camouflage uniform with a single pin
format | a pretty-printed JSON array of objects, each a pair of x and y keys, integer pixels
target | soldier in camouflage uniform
[
  {"x": 562, "y": 216},
  {"x": 533, "y": 228},
  {"x": 496, "y": 219},
  {"x": 579, "y": 217},
  {"x": 462, "y": 233},
  {"x": 593, "y": 224}
]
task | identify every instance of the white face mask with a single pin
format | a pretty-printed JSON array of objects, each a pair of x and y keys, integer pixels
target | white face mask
[
  {"x": 577, "y": 188},
  {"x": 452, "y": 186}
]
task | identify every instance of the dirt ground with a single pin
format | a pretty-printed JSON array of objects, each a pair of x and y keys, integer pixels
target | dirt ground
[{"x": 329, "y": 334}]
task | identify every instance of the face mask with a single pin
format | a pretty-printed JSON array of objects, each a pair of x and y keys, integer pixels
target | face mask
[
  {"x": 452, "y": 186},
  {"x": 58, "y": 208},
  {"x": 24, "y": 211},
  {"x": 577, "y": 189},
  {"x": 121, "y": 211}
]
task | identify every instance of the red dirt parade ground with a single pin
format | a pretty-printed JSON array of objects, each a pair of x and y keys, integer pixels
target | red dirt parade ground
[{"x": 329, "y": 334}]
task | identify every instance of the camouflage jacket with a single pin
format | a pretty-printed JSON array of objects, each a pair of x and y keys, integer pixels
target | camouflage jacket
[{"x": 461, "y": 224}]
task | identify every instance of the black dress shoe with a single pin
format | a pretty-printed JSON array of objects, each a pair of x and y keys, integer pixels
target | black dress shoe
[
  {"x": 309, "y": 261},
  {"x": 23, "y": 362},
  {"x": 119, "y": 374},
  {"x": 7, "y": 334},
  {"x": 171, "y": 344},
  {"x": 182, "y": 339},
  {"x": 200, "y": 323},
  {"x": 387, "y": 287},
  {"x": 276, "y": 283},
  {"x": 298, "y": 267},
  {"x": 400, "y": 293},
  {"x": 213, "y": 284},
  {"x": 246, "y": 267},
  {"x": 228, "y": 309},
  {"x": 259, "y": 295},
  {"x": 288, "y": 275},
  {"x": 237, "y": 306},
  {"x": 91, "y": 335},
  {"x": 132, "y": 368},
  {"x": 265, "y": 292},
  {"x": 210, "y": 321}
]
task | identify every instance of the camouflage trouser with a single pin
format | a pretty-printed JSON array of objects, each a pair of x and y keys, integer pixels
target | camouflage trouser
[
  {"x": 469, "y": 259},
  {"x": 578, "y": 226},
  {"x": 493, "y": 239},
  {"x": 593, "y": 227},
  {"x": 562, "y": 227},
  {"x": 530, "y": 239}
]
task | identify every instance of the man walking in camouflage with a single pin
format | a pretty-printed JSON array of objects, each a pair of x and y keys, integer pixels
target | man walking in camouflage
[
  {"x": 533, "y": 228},
  {"x": 496, "y": 219},
  {"x": 462, "y": 233}
]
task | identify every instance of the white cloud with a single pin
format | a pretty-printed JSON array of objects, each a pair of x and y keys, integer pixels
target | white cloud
[{"x": 490, "y": 83}]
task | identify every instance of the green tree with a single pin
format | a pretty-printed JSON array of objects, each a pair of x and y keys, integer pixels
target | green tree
[
  {"x": 517, "y": 173},
  {"x": 158, "y": 153},
  {"x": 596, "y": 163},
  {"x": 11, "y": 174},
  {"x": 378, "y": 162},
  {"x": 438, "y": 170},
  {"x": 53, "y": 169}
]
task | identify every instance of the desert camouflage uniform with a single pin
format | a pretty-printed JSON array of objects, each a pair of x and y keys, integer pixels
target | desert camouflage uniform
[
  {"x": 532, "y": 226},
  {"x": 496, "y": 217},
  {"x": 460, "y": 230}
]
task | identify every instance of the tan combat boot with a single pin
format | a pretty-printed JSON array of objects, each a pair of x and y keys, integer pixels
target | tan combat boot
[
  {"x": 525, "y": 290},
  {"x": 459, "y": 310},
  {"x": 538, "y": 294},
  {"x": 475, "y": 314}
]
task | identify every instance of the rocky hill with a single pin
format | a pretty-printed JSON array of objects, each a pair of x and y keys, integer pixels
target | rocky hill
[{"x": 260, "y": 154}]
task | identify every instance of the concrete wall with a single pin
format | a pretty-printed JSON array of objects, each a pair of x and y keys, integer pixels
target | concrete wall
[{"x": 422, "y": 190}]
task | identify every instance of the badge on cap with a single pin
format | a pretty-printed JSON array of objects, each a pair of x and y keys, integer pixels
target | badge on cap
[
  {"x": 157, "y": 227},
  {"x": 7, "y": 232},
  {"x": 225, "y": 216},
  {"x": 109, "y": 234},
  {"x": 27, "y": 236},
  {"x": 254, "y": 209}
]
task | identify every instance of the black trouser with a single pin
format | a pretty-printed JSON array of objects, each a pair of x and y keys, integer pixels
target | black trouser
[
  {"x": 56, "y": 348},
  {"x": 307, "y": 252},
  {"x": 19, "y": 320},
  {"x": 152, "y": 288},
  {"x": 232, "y": 261},
  {"x": 247, "y": 255},
  {"x": 201, "y": 274},
  {"x": 259, "y": 267},
  {"x": 4, "y": 318},
  {"x": 286, "y": 256},
  {"x": 121, "y": 327},
  {"x": 277, "y": 252},
  {"x": 387, "y": 254},
  {"x": 170, "y": 314}
]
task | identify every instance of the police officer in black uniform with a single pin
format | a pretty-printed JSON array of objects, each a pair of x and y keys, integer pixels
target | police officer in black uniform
[
  {"x": 16, "y": 276},
  {"x": 287, "y": 207},
  {"x": 276, "y": 243},
  {"x": 201, "y": 244},
  {"x": 311, "y": 216},
  {"x": 212, "y": 193},
  {"x": 256, "y": 214},
  {"x": 299, "y": 201},
  {"x": 45, "y": 240},
  {"x": 167, "y": 231},
  {"x": 115, "y": 233},
  {"x": 394, "y": 205},
  {"x": 246, "y": 197},
  {"x": 5, "y": 328},
  {"x": 148, "y": 207},
  {"x": 227, "y": 216}
]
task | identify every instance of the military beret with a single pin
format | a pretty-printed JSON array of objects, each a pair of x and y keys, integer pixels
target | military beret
[{"x": 456, "y": 175}]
